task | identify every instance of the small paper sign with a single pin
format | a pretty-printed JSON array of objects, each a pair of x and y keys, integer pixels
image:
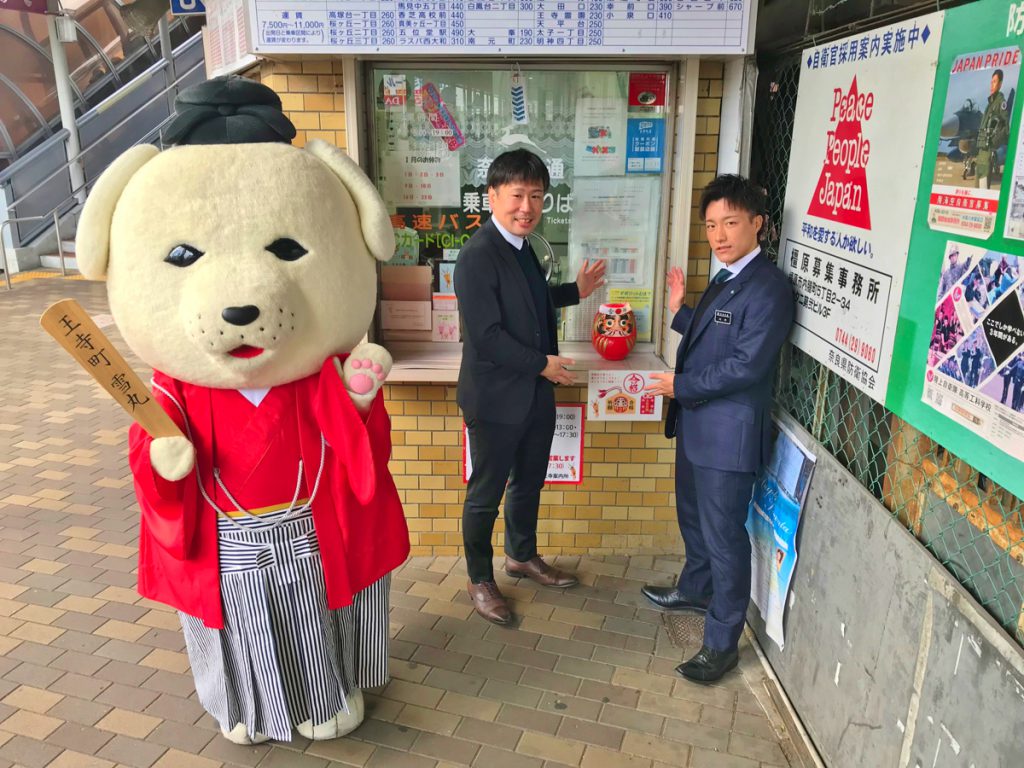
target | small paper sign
[
  {"x": 620, "y": 396},
  {"x": 565, "y": 463}
]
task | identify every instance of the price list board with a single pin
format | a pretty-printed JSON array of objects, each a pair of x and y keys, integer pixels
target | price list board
[{"x": 546, "y": 27}]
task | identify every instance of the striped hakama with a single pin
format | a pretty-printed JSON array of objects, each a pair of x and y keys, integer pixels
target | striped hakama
[{"x": 283, "y": 657}]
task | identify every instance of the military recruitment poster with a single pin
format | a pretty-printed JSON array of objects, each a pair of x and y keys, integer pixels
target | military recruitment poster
[
  {"x": 975, "y": 372},
  {"x": 958, "y": 371},
  {"x": 851, "y": 191},
  {"x": 973, "y": 141},
  {"x": 1014, "y": 228}
]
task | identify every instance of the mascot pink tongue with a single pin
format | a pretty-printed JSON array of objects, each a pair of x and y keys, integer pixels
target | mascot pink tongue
[{"x": 274, "y": 524}]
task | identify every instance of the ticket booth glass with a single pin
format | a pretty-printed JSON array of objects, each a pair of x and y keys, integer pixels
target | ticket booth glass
[{"x": 601, "y": 132}]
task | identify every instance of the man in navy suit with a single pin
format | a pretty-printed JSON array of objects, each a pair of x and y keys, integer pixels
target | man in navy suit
[
  {"x": 721, "y": 400},
  {"x": 510, "y": 366}
]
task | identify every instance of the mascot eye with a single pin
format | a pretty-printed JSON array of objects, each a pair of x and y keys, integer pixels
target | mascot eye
[
  {"x": 287, "y": 249},
  {"x": 183, "y": 255}
]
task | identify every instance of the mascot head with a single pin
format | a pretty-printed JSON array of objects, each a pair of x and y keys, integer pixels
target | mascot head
[{"x": 233, "y": 259}]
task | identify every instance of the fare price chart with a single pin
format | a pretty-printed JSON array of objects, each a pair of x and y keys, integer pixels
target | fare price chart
[{"x": 579, "y": 27}]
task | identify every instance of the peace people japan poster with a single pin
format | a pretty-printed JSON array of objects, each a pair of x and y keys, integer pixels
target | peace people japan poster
[{"x": 858, "y": 137}]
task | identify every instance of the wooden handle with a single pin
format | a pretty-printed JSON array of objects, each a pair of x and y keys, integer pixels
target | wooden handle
[{"x": 74, "y": 330}]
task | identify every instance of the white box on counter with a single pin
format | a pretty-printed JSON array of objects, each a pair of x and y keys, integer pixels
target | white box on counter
[{"x": 405, "y": 315}]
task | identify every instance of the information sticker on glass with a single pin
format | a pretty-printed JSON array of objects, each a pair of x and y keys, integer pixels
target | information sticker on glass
[
  {"x": 646, "y": 89},
  {"x": 645, "y": 142},
  {"x": 600, "y": 137},
  {"x": 640, "y": 299}
]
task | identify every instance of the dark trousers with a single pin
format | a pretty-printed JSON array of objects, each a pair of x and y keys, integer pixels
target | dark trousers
[
  {"x": 711, "y": 505},
  {"x": 515, "y": 455}
]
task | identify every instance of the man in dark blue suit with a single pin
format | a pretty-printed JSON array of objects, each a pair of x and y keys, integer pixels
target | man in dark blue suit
[
  {"x": 510, "y": 366},
  {"x": 721, "y": 400}
]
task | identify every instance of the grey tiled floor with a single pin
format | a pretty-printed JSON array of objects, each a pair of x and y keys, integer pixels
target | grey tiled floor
[{"x": 92, "y": 675}]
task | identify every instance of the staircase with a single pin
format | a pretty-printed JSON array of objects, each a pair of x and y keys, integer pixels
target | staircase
[{"x": 36, "y": 190}]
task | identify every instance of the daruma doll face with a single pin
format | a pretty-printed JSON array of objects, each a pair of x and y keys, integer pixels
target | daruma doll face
[{"x": 614, "y": 331}]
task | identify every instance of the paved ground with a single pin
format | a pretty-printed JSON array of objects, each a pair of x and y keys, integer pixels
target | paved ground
[{"x": 92, "y": 675}]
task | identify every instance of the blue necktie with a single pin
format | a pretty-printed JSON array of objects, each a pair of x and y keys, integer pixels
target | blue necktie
[{"x": 721, "y": 276}]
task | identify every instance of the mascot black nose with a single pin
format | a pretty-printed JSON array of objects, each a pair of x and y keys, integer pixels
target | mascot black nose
[{"x": 240, "y": 315}]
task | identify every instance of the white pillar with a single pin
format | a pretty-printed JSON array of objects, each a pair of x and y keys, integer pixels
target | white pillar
[
  {"x": 167, "y": 52},
  {"x": 737, "y": 121},
  {"x": 66, "y": 101}
]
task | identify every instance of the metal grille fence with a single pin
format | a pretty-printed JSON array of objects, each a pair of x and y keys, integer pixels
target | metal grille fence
[{"x": 973, "y": 527}]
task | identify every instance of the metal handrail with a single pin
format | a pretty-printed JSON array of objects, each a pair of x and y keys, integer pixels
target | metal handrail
[
  {"x": 63, "y": 168},
  {"x": 70, "y": 201},
  {"x": 60, "y": 245}
]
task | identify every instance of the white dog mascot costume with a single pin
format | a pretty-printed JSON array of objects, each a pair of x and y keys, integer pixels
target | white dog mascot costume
[{"x": 242, "y": 270}]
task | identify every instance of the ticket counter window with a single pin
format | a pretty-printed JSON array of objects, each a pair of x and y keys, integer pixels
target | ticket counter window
[{"x": 602, "y": 135}]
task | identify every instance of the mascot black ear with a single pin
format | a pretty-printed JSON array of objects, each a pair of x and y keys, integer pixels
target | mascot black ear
[
  {"x": 92, "y": 241},
  {"x": 378, "y": 233}
]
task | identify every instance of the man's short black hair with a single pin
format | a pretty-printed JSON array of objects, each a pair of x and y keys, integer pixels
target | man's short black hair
[
  {"x": 999, "y": 73},
  {"x": 518, "y": 165},
  {"x": 738, "y": 192}
]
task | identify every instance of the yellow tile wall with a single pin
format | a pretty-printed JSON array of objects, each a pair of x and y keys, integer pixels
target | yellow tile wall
[
  {"x": 626, "y": 502},
  {"x": 705, "y": 164},
  {"x": 312, "y": 95}
]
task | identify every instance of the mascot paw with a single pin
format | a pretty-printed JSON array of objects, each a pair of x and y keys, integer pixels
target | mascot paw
[
  {"x": 172, "y": 457},
  {"x": 364, "y": 371},
  {"x": 341, "y": 724},
  {"x": 238, "y": 735}
]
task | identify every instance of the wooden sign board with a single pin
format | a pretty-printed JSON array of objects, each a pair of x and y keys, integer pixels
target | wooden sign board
[{"x": 81, "y": 338}]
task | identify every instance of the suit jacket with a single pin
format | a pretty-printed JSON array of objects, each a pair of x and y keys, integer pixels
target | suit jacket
[
  {"x": 725, "y": 368},
  {"x": 502, "y": 349}
]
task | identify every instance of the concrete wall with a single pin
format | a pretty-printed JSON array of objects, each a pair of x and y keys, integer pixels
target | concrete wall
[{"x": 888, "y": 660}]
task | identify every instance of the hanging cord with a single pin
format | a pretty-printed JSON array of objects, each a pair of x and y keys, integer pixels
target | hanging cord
[{"x": 289, "y": 513}]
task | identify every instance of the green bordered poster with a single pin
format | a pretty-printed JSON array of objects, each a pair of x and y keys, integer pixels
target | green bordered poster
[{"x": 957, "y": 372}]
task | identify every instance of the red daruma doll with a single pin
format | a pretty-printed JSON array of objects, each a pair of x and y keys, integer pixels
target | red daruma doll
[{"x": 614, "y": 331}]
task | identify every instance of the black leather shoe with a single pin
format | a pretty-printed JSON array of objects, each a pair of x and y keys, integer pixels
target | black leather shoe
[
  {"x": 672, "y": 599},
  {"x": 708, "y": 665}
]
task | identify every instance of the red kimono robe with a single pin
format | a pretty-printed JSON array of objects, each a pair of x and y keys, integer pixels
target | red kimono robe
[{"x": 358, "y": 517}]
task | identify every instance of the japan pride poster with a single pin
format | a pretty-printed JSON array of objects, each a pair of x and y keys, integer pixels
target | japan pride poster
[
  {"x": 858, "y": 144},
  {"x": 973, "y": 141}
]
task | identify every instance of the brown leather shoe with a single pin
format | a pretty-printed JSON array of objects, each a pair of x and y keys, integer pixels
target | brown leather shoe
[
  {"x": 540, "y": 572},
  {"x": 489, "y": 602}
]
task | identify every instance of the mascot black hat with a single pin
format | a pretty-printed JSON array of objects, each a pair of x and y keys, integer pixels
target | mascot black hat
[{"x": 228, "y": 110}]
